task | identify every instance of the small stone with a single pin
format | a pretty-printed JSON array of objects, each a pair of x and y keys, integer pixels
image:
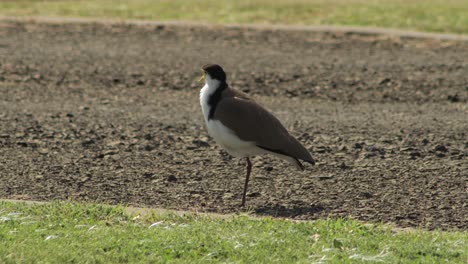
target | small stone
[
  {"x": 387, "y": 141},
  {"x": 373, "y": 149},
  {"x": 85, "y": 178},
  {"x": 87, "y": 142},
  {"x": 171, "y": 178},
  {"x": 228, "y": 196},
  {"x": 326, "y": 177},
  {"x": 200, "y": 143},
  {"x": 440, "y": 148},
  {"x": 22, "y": 144},
  {"x": 370, "y": 155},
  {"x": 343, "y": 166},
  {"x": 110, "y": 152},
  {"x": 33, "y": 143},
  {"x": 113, "y": 143},
  {"x": 415, "y": 154},
  {"x": 115, "y": 157},
  {"x": 149, "y": 147},
  {"x": 453, "y": 98},
  {"x": 385, "y": 81},
  {"x": 43, "y": 151},
  {"x": 19, "y": 135},
  {"x": 321, "y": 149},
  {"x": 148, "y": 175},
  {"x": 358, "y": 146},
  {"x": 406, "y": 149},
  {"x": 254, "y": 194}
]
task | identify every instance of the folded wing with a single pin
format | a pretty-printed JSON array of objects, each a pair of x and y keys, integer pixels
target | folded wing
[{"x": 251, "y": 122}]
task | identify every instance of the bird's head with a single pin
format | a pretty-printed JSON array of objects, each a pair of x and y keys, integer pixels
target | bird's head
[{"x": 214, "y": 72}]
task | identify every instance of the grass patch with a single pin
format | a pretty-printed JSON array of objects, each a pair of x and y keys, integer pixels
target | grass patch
[
  {"x": 70, "y": 232},
  {"x": 424, "y": 15}
]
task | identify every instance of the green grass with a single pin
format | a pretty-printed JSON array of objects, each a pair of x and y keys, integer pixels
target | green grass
[
  {"x": 79, "y": 233},
  {"x": 425, "y": 15}
]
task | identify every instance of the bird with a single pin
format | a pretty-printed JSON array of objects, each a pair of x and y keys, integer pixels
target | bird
[{"x": 243, "y": 127}]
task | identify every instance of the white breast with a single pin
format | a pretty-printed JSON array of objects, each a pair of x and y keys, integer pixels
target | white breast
[{"x": 205, "y": 93}]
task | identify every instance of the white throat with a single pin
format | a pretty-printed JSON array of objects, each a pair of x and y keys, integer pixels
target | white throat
[{"x": 210, "y": 87}]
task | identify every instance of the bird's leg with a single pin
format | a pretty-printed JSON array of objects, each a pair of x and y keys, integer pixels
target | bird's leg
[{"x": 249, "y": 169}]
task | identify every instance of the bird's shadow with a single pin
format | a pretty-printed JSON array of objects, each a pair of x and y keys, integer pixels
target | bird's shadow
[{"x": 288, "y": 212}]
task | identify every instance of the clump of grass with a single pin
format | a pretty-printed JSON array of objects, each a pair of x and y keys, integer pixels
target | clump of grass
[
  {"x": 425, "y": 15},
  {"x": 72, "y": 232}
]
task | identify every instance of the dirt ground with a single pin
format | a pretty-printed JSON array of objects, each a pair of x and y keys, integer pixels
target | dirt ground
[{"x": 110, "y": 113}]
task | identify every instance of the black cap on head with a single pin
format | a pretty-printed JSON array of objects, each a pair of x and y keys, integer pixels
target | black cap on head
[{"x": 215, "y": 71}]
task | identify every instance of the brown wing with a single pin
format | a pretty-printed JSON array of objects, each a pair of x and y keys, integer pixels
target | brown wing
[{"x": 251, "y": 122}]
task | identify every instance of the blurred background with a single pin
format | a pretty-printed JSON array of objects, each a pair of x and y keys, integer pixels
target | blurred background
[{"x": 423, "y": 15}]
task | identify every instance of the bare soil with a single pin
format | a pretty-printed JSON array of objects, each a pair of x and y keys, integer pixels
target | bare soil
[{"x": 110, "y": 113}]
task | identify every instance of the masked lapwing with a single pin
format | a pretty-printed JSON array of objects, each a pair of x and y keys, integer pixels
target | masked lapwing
[{"x": 243, "y": 127}]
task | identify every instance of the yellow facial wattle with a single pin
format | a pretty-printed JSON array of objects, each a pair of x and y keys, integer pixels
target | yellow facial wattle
[{"x": 202, "y": 78}]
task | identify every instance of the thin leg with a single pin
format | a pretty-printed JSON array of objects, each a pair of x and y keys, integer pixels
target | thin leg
[{"x": 249, "y": 169}]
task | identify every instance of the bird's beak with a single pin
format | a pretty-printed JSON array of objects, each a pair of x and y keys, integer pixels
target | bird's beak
[{"x": 202, "y": 78}]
